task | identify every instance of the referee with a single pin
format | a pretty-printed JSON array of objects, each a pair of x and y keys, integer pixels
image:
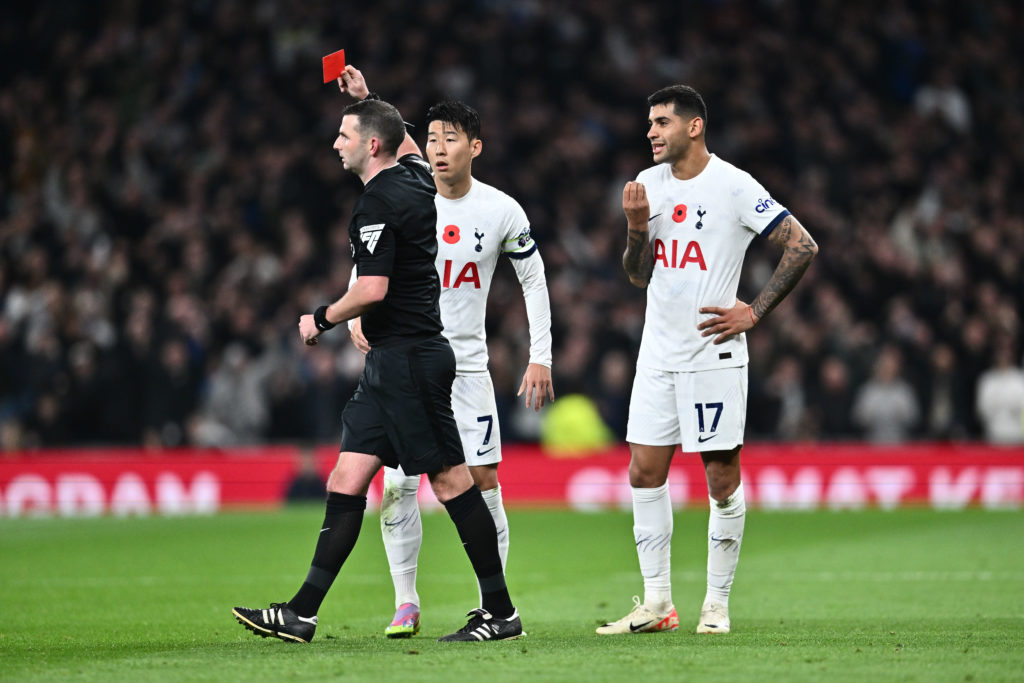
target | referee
[{"x": 401, "y": 412}]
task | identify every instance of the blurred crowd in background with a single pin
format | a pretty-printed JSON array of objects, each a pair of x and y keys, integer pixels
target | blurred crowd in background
[{"x": 171, "y": 204}]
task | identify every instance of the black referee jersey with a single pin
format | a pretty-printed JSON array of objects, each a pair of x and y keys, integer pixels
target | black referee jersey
[{"x": 393, "y": 233}]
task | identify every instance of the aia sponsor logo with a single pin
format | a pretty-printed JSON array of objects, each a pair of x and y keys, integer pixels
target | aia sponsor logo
[
  {"x": 468, "y": 275},
  {"x": 671, "y": 256},
  {"x": 764, "y": 204}
]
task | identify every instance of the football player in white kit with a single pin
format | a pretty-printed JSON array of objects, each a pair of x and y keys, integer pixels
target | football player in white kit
[
  {"x": 690, "y": 219},
  {"x": 476, "y": 223}
]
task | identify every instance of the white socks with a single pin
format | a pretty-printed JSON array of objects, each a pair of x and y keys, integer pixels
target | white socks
[
  {"x": 725, "y": 534},
  {"x": 493, "y": 499},
  {"x": 402, "y": 530},
  {"x": 652, "y": 531}
]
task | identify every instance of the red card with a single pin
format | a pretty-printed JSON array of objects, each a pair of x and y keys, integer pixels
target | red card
[{"x": 334, "y": 64}]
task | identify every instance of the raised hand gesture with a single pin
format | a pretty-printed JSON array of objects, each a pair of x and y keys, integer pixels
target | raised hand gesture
[
  {"x": 635, "y": 205},
  {"x": 352, "y": 82}
]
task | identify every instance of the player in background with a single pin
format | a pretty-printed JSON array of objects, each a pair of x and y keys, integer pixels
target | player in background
[
  {"x": 690, "y": 219},
  {"x": 476, "y": 223}
]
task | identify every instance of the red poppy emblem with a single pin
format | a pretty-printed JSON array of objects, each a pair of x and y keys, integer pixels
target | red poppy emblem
[
  {"x": 451, "y": 234},
  {"x": 679, "y": 213}
]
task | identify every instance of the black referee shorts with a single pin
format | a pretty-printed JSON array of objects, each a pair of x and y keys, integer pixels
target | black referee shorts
[{"x": 402, "y": 409}]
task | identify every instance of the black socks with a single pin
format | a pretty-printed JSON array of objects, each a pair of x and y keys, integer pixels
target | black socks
[
  {"x": 476, "y": 529},
  {"x": 343, "y": 519},
  {"x": 338, "y": 536}
]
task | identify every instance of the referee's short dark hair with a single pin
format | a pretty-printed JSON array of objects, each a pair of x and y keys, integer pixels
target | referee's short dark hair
[
  {"x": 685, "y": 101},
  {"x": 381, "y": 120},
  {"x": 458, "y": 114}
]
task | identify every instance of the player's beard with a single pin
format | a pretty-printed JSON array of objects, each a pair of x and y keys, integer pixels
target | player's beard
[{"x": 672, "y": 152}]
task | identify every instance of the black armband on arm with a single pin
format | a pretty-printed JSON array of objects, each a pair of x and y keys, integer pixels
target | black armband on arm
[{"x": 320, "y": 319}]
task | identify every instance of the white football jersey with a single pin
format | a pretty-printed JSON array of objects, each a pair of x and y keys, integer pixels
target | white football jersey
[
  {"x": 699, "y": 233},
  {"x": 472, "y": 231}
]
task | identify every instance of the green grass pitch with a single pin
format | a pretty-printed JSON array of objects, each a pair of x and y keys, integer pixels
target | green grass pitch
[{"x": 909, "y": 595}]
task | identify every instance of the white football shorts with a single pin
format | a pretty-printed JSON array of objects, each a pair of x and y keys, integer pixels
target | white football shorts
[
  {"x": 477, "y": 418},
  {"x": 701, "y": 411}
]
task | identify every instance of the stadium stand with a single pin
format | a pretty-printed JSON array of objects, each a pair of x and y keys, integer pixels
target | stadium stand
[{"x": 171, "y": 203}]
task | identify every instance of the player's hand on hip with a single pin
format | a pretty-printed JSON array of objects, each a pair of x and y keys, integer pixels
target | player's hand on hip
[
  {"x": 352, "y": 82},
  {"x": 308, "y": 330},
  {"x": 728, "y": 322},
  {"x": 635, "y": 205},
  {"x": 357, "y": 335},
  {"x": 537, "y": 385}
]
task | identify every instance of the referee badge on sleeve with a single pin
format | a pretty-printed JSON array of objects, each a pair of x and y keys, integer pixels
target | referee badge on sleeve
[{"x": 370, "y": 234}]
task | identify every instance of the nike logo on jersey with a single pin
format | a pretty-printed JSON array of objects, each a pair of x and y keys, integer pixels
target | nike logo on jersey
[
  {"x": 653, "y": 217},
  {"x": 480, "y": 451},
  {"x": 369, "y": 234},
  {"x": 702, "y": 439},
  {"x": 326, "y": 528}
]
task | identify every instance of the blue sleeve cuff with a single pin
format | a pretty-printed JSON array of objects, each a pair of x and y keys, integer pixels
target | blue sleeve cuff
[
  {"x": 775, "y": 221},
  {"x": 521, "y": 254}
]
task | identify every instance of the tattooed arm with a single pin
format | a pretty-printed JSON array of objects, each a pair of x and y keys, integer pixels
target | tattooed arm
[
  {"x": 799, "y": 250},
  {"x": 638, "y": 261}
]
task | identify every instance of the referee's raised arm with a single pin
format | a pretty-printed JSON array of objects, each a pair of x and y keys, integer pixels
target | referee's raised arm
[{"x": 353, "y": 82}]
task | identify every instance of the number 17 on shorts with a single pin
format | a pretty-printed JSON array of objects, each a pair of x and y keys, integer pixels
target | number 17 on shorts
[
  {"x": 701, "y": 411},
  {"x": 713, "y": 412}
]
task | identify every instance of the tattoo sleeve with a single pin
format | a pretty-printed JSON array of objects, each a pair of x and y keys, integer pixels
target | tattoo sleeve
[
  {"x": 638, "y": 261},
  {"x": 800, "y": 250}
]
